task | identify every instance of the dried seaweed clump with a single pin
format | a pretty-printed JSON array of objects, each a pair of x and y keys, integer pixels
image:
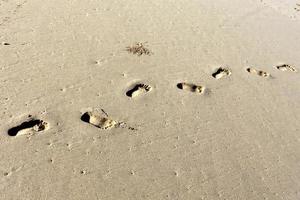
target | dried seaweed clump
[{"x": 139, "y": 49}]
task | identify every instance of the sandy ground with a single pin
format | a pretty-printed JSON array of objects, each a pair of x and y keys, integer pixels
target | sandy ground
[{"x": 105, "y": 123}]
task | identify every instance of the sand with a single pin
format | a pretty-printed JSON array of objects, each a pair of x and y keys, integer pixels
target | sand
[{"x": 112, "y": 100}]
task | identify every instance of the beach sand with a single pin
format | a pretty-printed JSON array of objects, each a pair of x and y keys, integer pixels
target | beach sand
[{"x": 178, "y": 100}]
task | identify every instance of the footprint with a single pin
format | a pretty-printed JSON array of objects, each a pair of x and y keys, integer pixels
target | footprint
[
  {"x": 286, "y": 67},
  {"x": 297, "y": 7},
  {"x": 138, "y": 89},
  {"x": 103, "y": 121},
  {"x": 258, "y": 72},
  {"x": 5, "y": 43},
  {"x": 98, "y": 120},
  {"x": 29, "y": 127},
  {"x": 191, "y": 87},
  {"x": 221, "y": 72}
]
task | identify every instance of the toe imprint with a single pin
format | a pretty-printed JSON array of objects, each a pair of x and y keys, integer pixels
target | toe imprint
[
  {"x": 258, "y": 72},
  {"x": 31, "y": 126},
  {"x": 191, "y": 87},
  {"x": 138, "y": 89},
  {"x": 221, "y": 72},
  {"x": 286, "y": 67}
]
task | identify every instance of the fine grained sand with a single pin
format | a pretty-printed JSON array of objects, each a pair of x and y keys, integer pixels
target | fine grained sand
[{"x": 69, "y": 129}]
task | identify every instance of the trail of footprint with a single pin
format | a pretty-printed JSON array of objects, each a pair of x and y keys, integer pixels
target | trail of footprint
[
  {"x": 191, "y": 87},
  {"x": 29, "y": 127},
  {"x": 221, "y": 72},
  {"x": 138, "y": 89},
  {"x": 258, "y": 72},
  {"x": 286, "y": 67}
]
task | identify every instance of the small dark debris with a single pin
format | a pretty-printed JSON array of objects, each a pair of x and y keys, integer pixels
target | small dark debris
[{"x": 138, "y": 49}]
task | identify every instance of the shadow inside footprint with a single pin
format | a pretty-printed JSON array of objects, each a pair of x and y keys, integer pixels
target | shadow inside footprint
[
  {"x": 86, "y": 117},
  {"x": 191, "y": 87},
  {"x": 34, "y": 124},
  {"x": 258, "y": 72},
  {"x": 286, "y": 67},
  {"x": 138, "y": 89},
  {"x": 98, "y": 121}
]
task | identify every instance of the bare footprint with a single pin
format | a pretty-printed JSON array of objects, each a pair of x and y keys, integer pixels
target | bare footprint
[
  {"x": 221, "y": 72},
  {"x": 286, "y": 67},
  {"x": 103, "y": 121},
  {"x": 99, "y": 121},
  {"x": 138, "y": 89},
  {"x": 29, "y": 127},
  {"x": 297, "y": 7},
  {"x": 191, "y": 87},
  {"x": 258, "y": 72},
  {"x": 5, "y": 43}
]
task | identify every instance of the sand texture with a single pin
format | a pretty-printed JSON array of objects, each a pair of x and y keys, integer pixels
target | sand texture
[{"x": 149, "y": 100}]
